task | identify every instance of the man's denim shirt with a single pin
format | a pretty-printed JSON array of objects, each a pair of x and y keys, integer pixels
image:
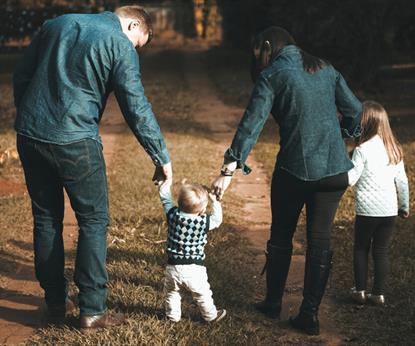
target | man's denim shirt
[
  {"x": 62, "y": 83},
  {"x": 305, "y": 107}
]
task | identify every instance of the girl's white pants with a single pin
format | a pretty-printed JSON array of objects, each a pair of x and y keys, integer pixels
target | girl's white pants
[{"x": 192, "y": 277}]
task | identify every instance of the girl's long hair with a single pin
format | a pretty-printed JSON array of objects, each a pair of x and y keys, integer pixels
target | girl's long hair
[
  {"x": 267, "y": 45},
  {"x": 375, "y": 122}
]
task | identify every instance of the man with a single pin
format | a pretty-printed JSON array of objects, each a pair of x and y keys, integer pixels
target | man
[{"x": 60, "y": 89}]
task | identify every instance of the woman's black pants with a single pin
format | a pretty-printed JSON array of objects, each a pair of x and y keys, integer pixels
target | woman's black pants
[
  {"x": 288, "y": 197},
  {"x": 375, "y": 233},
  {"x": 321, "y": 199}
]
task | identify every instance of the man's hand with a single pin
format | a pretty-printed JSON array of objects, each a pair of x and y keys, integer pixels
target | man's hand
[
  {"x": 212, "y": 197},
  {"x": 163, "y": 174},
  {"x": 219, "y": 186},
  {"x": 403, "y": 214}
]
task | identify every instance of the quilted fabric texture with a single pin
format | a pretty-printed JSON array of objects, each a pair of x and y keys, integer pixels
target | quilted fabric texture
[{"x": 381, "y": 188}]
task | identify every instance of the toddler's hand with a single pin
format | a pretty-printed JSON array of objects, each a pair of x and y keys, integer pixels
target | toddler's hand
[
  {"x": 163, "y": 174},
  {"x": 219, "y": 186},
  {"x": 403, "y": 214},
  {"x": 165, "y": 185},
  {"x": 213, "y": 197}
]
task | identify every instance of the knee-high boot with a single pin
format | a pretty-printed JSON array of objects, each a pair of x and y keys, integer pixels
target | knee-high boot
[
  {"x": 276, "y": 267},
  {"x": 317, "y": 271}
]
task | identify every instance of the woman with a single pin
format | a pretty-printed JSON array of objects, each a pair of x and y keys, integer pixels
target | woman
[{"x": 304, "y": 95}]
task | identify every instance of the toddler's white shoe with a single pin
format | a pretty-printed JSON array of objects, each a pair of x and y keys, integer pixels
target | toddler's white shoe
[{"x": 221, "y": 314}]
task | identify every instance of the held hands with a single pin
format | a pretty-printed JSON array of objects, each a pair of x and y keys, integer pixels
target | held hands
[
  {"x": 163, "y": 175},
  {"x": 219, "y": 186},
  {"x": 403, "y": 214},
  {"x": 212, "y": 197},
  {"x": 222, "y": 182}
]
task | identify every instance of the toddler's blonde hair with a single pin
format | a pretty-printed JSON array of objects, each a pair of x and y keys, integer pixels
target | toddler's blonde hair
[{"x": 193, "y": 198}]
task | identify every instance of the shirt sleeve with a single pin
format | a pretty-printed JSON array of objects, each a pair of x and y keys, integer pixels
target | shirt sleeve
[
  {"x": 136, "y": 109},
  {"x": 358, "y": 161},
  {"x": 402, "y": 187},
  {"x": 166, "y": 198},
  {"x": 350, "y": 108},
  {"x": 216, "y": 216},
  {"x": 251, "y": 124},
  {"x": 25, "y": 70}
]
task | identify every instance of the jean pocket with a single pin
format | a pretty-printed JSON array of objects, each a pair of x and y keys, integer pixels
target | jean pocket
[{"x": 75, "y": 159}]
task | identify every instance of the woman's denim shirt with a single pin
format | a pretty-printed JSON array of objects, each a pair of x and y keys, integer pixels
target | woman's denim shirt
[{"x": 305, "y": 106}]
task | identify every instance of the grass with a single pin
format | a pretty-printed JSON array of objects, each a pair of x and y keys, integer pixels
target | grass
[
  {"x": 136, "y": 260},
  {"x": 15, "y": 220},
  {"x": 136, "y": 255},
  {"x": 394, "y": 324}
]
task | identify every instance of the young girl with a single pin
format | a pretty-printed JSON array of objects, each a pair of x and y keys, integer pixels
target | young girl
[
  {"x": 188, "y": 225},
  {"x": 382, "y": 192}
]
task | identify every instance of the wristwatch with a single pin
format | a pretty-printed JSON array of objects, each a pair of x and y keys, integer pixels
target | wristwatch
[{"x": 226, "y": 172}]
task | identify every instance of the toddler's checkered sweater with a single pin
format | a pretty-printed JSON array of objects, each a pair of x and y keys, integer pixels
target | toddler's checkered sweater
[
  {"x": 187, "y": 237},
  {"x": 187, "y": 233}
]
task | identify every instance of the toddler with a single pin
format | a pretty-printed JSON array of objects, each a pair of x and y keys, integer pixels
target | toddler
[
  {"x": 382, "y": 192},
  {"x": 188, "y": 225}
]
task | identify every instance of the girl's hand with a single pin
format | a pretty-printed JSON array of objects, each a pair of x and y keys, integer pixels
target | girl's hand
[
  {"x": 403, "y": 214},
  {"x": 219, "y": 186}
]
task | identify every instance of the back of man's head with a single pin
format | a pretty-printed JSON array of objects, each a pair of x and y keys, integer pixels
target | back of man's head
[{"x": 137, "y": 13}]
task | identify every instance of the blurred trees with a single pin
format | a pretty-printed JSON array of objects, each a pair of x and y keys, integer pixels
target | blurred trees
[
  {"x": 355, "y": 35},
  {"x": 19, "y": 19},
  {"x": 207, "y": 19},
  {"x": 44, "y": 3}
]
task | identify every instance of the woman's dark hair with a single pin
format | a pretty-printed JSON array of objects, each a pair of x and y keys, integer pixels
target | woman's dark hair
[{"x": 268, "y": 44}]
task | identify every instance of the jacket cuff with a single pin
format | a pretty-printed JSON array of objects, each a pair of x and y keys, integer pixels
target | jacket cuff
[
  {"x": 231, "y": 157},
  {"x": 161, "y": 158},
  {"x": 357, "y": 132},
  {"x": 404, "y": 206}
]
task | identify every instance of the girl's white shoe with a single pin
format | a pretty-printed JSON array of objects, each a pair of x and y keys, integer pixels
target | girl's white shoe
[
  {"x": 376, "y": 299},
  {"x": 358, "y": 296}
]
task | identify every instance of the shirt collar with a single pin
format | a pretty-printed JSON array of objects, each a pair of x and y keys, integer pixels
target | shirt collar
[
  {"x": 189, "y": 215},
  {"x": 288, "y": 50},
  {"x": 114, "y": 19}
]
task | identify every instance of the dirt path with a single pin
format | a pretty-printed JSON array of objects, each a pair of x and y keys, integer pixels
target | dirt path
[
  {"x": 222, "y": 120},
  {"x": 21, "y": 304}
]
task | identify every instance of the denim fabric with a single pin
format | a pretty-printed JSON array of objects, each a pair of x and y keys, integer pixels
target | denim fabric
[
  {"x": 62, "y": 83},
  {"x": 305, "y": 107},
  {"x": 79, "y": 168}
]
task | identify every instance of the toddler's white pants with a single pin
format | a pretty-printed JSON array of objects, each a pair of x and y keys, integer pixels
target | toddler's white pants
[{"x": 192, "y": 277}]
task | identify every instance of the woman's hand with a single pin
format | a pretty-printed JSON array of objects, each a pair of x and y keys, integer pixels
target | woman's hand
[{"x": 219, "y": 186}]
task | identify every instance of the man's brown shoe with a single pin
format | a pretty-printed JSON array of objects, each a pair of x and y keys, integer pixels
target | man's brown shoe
[{"x": 102, "y": 321}]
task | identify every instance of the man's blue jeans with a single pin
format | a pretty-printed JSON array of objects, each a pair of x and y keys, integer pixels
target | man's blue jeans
[{"x": 79, "y": 168}]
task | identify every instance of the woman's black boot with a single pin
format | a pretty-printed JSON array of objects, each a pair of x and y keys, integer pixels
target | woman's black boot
[
  {"x": 277, "y": 266},
  {"x": 317, "y": 271}
]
